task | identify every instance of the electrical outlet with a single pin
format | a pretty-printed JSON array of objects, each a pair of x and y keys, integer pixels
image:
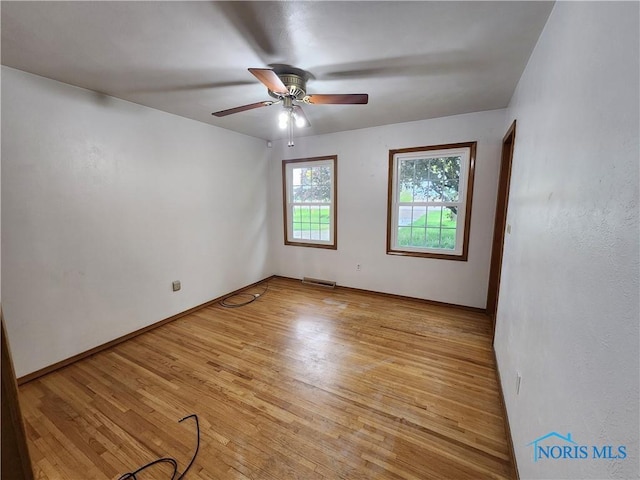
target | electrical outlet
[
  {"x": 518, "y": 381},
  {"x": 358, "y": 267},
  {"x": 176, "y": 285},
  {"x": 509, "y": 228}
]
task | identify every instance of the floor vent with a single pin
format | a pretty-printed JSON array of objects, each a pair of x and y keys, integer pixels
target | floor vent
[{"x": 318, "y": 283}]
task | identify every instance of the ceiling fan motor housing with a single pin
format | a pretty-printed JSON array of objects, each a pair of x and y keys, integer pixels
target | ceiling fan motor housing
[{"x": 296, "y": 85}]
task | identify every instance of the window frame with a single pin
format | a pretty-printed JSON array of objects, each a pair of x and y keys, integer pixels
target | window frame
[
  {"x": 465, "y": 199},
  {"x": 287, "y": 204}
]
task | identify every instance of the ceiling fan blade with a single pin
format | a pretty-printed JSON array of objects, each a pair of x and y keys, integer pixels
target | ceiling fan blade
[
  {"x": 269, "y": 78},
  {"x": 451, "y": 61},
  {"x": 299, "y": 113},
  {"x": 267, "y": 38},
  {"x": 170, "y": 88},
  {"x": 338, "y": 99},
  {"x": 251, "y": 106}
]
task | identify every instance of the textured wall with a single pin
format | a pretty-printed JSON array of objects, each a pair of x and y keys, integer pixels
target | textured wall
[
  {"x": 568, "y": 312},
  {"x": 363, "y": 167},
  {"x": 105, "y": 203}
]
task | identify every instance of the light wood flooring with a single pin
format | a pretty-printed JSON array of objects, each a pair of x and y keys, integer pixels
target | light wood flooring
[{"x": 304, "y": 383}]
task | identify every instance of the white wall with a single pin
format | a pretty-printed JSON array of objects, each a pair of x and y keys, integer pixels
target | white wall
[
  {"x": 105, "y": 203},
  {"x": 363, "y": 165},
  {"x": 568, "y": 312}
]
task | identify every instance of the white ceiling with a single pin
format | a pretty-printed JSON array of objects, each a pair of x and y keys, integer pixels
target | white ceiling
[{"x": 416, "y": 60}]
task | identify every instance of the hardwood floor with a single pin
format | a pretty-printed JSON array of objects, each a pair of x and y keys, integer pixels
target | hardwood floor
[{"x": 304, "y": 383}]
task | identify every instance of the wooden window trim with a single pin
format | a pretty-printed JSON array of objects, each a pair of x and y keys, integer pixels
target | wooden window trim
[
  {"x": 285, "y": 210},
  {"x": 469, "y": 200}
]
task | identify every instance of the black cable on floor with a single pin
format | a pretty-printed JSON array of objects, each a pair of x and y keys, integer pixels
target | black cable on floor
[
  {"x": 253, "y": 297},
  {"x": 169, "y": 460}
]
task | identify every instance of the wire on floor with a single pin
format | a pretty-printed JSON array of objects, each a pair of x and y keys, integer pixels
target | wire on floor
[
  {"x": 171, "y": 461},
  {"x": 249, "y": 298}
]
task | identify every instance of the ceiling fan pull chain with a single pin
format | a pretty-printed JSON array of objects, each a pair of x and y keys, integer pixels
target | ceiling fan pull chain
[{"x": 290, "y": 144}]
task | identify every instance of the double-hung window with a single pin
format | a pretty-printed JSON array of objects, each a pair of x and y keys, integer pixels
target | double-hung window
[
  {"x": 309, "y": 192},
  {"x": 429, "y": 205}
]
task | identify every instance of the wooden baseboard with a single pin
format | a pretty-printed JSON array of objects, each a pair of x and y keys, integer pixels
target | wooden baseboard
[
  {"x": 402, "y": 297},
  {"x": 63, "y": 363},
  {"x": 506, "y": 419}
]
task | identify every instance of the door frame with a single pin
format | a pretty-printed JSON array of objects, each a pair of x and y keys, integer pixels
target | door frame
[
  {"x": 16, "y": 462},
  {"x": 500, "y": 223}
]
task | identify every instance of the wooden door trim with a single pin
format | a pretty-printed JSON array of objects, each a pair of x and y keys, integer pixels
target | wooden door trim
[
  {"x": 16, "y": 462},
  {"x": 500, "y": 223}
]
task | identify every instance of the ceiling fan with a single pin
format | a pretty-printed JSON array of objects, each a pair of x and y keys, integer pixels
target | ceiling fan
[{"x": 289, "y": 87}]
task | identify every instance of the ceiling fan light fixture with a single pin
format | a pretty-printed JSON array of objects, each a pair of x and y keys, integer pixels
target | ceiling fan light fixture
[
  {"x": 300, "y": 122},
  {"x": 283, "y": 119}
]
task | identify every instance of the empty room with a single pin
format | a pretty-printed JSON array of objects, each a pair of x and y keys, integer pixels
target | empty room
[{"x": 320, "y": 240}]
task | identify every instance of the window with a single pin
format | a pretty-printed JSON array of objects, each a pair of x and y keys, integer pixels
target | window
[
  {"x": 309, "y": 193},
  {"x": 429, "y": 208}
]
